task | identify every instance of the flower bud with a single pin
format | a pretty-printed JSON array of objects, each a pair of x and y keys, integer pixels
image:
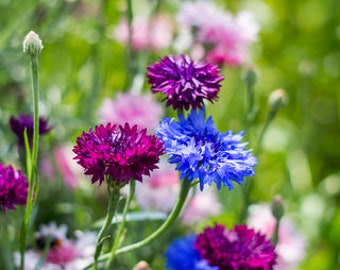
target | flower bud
[
  {"x": 142, "y": 265},
  {"x": 32, "y": 44},
  {"x": 277, "y": 207},
  {"x": 250, "y": 76},
  {"x": 278, "y": 98}
]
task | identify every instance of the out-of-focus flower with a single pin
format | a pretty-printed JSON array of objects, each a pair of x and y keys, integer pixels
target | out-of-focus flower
[
  {"x": 181, "y": 255},
  {"x": 202, "y": 205},
  {"x": 67, "y": 166},
  {"x": 154, "y": 33},
  {"x": 184, "y": 82},
  {"x": 159, "y": 190},
  {"x": 120, "y": 152},
  {"x": 226, "y": 37},
  {"x": 201, "y": 151},
  {"x": 140, "y": 110},
  {"x": 63, "y": 253},
  {"x": 142, "y": 265},
  {"x": 13, "y": 188},
  {"x": 18, "y": 125},
  {"x": 240, "y": 248},
  {"x": 291, "y": 244},
  {"x": 32, "y": 44}
]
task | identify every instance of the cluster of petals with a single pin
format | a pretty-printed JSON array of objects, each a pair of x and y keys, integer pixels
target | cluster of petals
[
  {"x": 119, "y": 152},
  {"x": 185, "y": 83},
  {"x": 291, "y": 246},
  {"x": 240, "y": 248},
  {"x": 201, "y": 152},
  {"x": 140, "y": 110},
  {"x": 63, "y": 253},
  {"x": 25, "y": 121},
  {"x": 227, "y": 38},
  {"x": 13, "y": 188},
  {"x": 147, "y": 33}
]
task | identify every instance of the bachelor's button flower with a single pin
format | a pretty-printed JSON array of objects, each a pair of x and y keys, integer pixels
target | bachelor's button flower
[
  {"x": 181, "y": 255},
  {"x": 18, "y": 125},
  {"x": 140, "y": 110},
  {"x": 201, "y": 151},
  {"x": 32, "y": 44},
  {"x": 120, "y": 152},
  {"x": 184, "y": 82},
  {"x": 13, "y": 188},
  {"x": 240, "y": 248}
]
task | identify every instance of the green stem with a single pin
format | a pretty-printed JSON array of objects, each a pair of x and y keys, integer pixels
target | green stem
[
  {"x": 111, "y": 210},
  {"x": 275, "y": 238},
  {"x": 31, "y": 160},
  {"x": 121, "y": 225}
]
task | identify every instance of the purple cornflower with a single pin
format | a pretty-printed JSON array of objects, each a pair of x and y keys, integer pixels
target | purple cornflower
[
  {"x": 13, "y": 188},
  {"x": 240, "y": 248},
  {"x": 185, "y": 83},
  {"x": 120, "y": 152},
  {"x": 18, "y": 125}
]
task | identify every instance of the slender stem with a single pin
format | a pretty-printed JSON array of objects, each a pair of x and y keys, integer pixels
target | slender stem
[
  {"x": 129, "y": 48},
  {"x": 31, "y": 160},
  {"x": 275, "y": 238},
  {"x": 121, "y": 225},
  {"x": 111, "y": 210}
]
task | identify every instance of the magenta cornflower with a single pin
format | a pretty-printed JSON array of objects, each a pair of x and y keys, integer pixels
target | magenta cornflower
[
  {"x": 18, "y": 125},
  {"x": 13, "y": 188},
  {"x": 184, "y": 82},
  {"x": 240, "y": 248},
  {"x": 119, "y": 152}
]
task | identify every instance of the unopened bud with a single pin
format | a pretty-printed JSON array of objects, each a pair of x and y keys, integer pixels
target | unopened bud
[
  {"x": 278, "y": 98},
  {"x": 142, "y": 265},
  {"x": 32, "y": 44},
  {"x": 250, "y": 76},
  {"x": 277, "y": 207}
]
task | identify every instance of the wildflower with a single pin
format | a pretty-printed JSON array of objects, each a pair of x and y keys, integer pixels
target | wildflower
[
  {"x": 13, "y": 188},
  {"x": 226, "y": 37},
  {"x": 240, "y": 248},
  {"x": 181, "y": 255},
  {"x": 63, "y": 253},
  {"x": 291, "y": 244},
  {"x": 153, "y": 34},
  {"x": 140, "y": 110},
  {"x": 25, "y": 121},
  {"x": 185, "y": 83},
  {"x": 201, "y": 151},
  {"x": 120, "y": 152},
  {"x": 32, "y": 44}
]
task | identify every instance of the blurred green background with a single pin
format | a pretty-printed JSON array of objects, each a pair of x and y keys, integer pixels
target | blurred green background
[{"x": 298, "y": 50}]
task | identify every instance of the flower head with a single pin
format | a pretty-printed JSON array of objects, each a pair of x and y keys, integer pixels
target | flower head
[
  {"x": 181, "y": 255},
  {"x": 140, "y": 110},
  {"x": 185, "y": 83},
  {"x": 32, "y": 44},
  {"x": 240, "y": 248},
  {"x": 201, "y": 151},
  {"x": 63, "y": 253},
  {"x": 121, "y": 152},
  {"x": 13, "y": 188},
  {"x": 25, "y": 121}
]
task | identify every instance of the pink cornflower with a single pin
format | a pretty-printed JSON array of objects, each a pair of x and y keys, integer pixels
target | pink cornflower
[
  {"x": 227, "y": 38},
  {"x": 63, "y": 253},
  {"x": 154, "y": 34},
  {"x": 291, "y": 244},
  {"x": 140, "y": 110}
]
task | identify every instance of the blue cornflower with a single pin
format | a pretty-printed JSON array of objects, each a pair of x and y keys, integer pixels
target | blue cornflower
[
  {"x": 202, "y": 152},
  {"x": 181, "y": 255}
]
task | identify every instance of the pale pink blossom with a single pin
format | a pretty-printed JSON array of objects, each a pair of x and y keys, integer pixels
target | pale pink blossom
[
  {"x": 70, "y": 171},
  {"x": 203, "y": 204},
  {"x": 64, "y": 253},
  {"x": 160, "y": 190},
  {"x": 140, "y": 110},
  {"x": 291, "y": 245},
  {"x": 147, "y": 33},
  {"x": 227, "y": 37}
]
